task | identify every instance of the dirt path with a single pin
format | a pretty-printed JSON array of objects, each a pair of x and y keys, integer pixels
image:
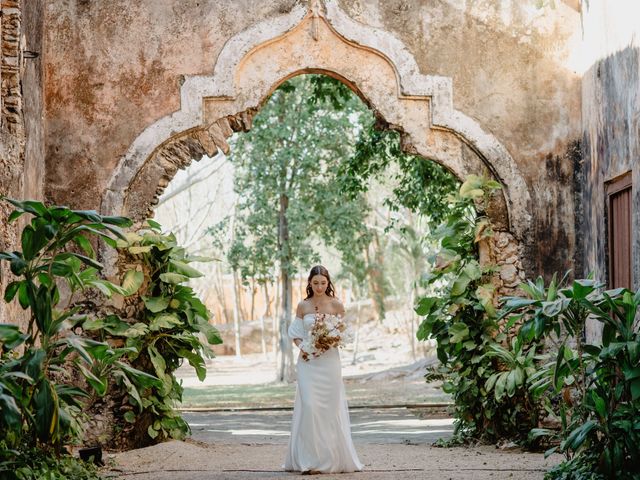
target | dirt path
[
  {"x": 391, "y": 443},
  {"x": 197, "y": 461}
]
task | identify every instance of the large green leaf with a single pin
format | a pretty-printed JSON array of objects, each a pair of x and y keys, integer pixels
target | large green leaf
[
  {"x": 460, "y": 284},
  {"x": 491, "y": 381},
  {"x": 425, "y": 305},
  {"x": 160, "y": 367},
  {"x": 83, "y": 258},
  {"x": 165, "y": 320},
  {"x": 119, "y": 221},
  {"x": 98, "y": 384},
  {"x": 580, "y": 289},
  {"x": 184, "y": 269},
  {"x": 153, "y": 224},
  {"x": 85, "y": 245},
  {"x": 552, "y": 308},
  {"x": 132, "y": 281},
  {"x": 11, "y": 413},
  {"x": 115, "y": 326},
  {"x": 458, "y": 332},
  {"x": 46, "y": 411},
  {"x": 557, "y": 379},
  {"x": 511, "y": 384},
  {"x": 156, "y": 304},
  {"x": 173, "y": 278},
  {"x": 576, "y": 438},
  {"x": 11, "y": 336},
  {"x": 138, "y": 329},
  {"x": 89, "y": 215},
  {"x": 196, "y": 361},
  {"x": 29, "y": 206},
  {"x": 42, "y": 307},
  {"x": 472, "y": 270},
  {"x": 18, "y": 265},
  {"x": 599, "y": 404},
  {"x": 472, "y": 187},
  {"x": 500, "y": 385},
  {"x": 33, "y": 240},
  {"x": 210, "y": 332},
  {"x": 143, "y": 379},
  {"x": 130, "y": 387}
]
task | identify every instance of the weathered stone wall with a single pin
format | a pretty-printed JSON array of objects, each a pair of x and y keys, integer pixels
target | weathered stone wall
[
  {"x": 21, "y": 121},
  {"x": 610, "y": 130},
  {"x": 113, "y": 68}
]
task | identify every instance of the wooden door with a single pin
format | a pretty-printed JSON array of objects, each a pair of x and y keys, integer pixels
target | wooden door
[{"x": 619, "y": 216}]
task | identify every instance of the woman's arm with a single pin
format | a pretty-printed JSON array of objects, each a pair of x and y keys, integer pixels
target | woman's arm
[{"x": 299, "y": 314}]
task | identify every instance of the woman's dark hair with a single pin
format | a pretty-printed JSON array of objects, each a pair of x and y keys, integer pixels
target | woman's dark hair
[{"x": 320, "y": 270}]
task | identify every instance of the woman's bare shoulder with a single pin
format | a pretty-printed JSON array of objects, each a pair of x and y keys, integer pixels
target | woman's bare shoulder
[
  {"x": 336, "y": 304},
  {"x": 304, "y": 306}
]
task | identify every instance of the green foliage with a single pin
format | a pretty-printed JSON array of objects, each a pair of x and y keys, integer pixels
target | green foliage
[
  {"x": 41, "y": 405},
  {"x": 421, "y": 184},
  {"x": 171, "y": 325},
  {"x": 487, "y": 379},
  {"x": 36, "y": 463},
  {"x": 598, "y": 384},
  {"x": 578, "y": 468},
  {"x": 286, "y": 178}
]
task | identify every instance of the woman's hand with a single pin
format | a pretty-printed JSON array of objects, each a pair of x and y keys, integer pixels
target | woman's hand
[{"x": 303, "y": 354}]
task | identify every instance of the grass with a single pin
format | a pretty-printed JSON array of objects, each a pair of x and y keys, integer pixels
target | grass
[{"x": 282, "y": 395}]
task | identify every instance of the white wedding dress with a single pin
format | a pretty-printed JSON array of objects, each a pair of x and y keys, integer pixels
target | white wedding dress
[{"x": 320, "y": 428}]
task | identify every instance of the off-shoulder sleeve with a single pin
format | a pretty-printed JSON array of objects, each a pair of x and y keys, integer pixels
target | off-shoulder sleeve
[{"x": 296, "y": 329}]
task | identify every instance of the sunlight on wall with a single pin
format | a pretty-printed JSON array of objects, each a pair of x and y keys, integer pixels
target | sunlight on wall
[{"x": 608, "y": 27}]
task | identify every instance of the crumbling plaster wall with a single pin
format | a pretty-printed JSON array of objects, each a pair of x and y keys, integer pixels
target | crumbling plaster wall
[
  {"x": 113, "y": 68},
  {"x": 21, "y": 122},
  {"x": 611, "y": 129}
]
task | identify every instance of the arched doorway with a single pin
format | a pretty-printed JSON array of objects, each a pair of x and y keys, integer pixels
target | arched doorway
[{"x": 318, "y": 38}]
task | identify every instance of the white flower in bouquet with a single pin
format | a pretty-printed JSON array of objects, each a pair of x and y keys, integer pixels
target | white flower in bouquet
[{"x": 328, "y": 331}]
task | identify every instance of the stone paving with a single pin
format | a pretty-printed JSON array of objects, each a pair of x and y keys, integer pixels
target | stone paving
[{"x": 393, "y": 425}]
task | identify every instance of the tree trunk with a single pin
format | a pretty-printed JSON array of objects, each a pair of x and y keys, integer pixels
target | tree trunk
[
  {"x": 253, "y": 299},
  {"x": 275, "y": 339},
  {"x": 222, "y": 298},
  {"x": 236, "y": 313},
  {"x": 267, "y": 312},
  {"x": 357, "y": 336},
  {"x": 375, "y": 277},
  {"x": 412, "y": 328},
  {"x": 285, "y": 370},
  {"x": 240, "y": 295}
]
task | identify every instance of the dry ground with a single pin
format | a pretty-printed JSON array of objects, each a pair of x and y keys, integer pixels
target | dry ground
[{"x": 199, "y": 461}]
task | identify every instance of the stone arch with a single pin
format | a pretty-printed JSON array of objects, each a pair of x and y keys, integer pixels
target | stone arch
[{"x": 318, "y": 38}]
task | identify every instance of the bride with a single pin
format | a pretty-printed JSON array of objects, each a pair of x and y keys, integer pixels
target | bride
[{"x": 320, "y": 440}]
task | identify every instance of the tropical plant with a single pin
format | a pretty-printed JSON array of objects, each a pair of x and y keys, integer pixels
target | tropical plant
[
  {"x": 460, "y": 315},
  {"x": 167, "y": 323},
  {"x": 597, "y": 385},
  {"x": 41, "y": 403},
  {"x": 486, "y": 378}
]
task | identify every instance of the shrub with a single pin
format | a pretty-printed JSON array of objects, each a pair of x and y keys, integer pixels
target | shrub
[
  {"x": 598, "y": 385},
  {"x": 480, "y": 367},
  {"x": 40, "y": 402}
]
